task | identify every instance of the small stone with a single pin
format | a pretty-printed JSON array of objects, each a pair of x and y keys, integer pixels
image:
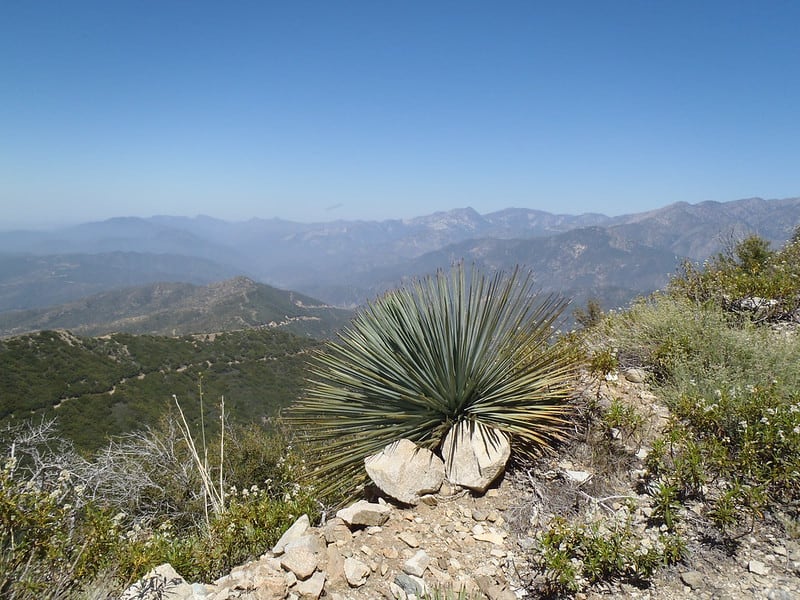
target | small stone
[
  {"x": 390, "y": 552},
  {"x": 479, "y": 515},
  {"x": 417, "y": 564},
  {"x": 694, "y": 579},
  {"x": 489, "y": 536},
  {"x": 299, "y": 561},
  {"x": 273, "y": 587},
  {"x": 409, "y": 538},
  {"x": 290, "y": 578},
  {"x": 492, "y": 590},
  {"x": 311, "y": 588},
  {"x": 757, "y": 567},
  {"x": 398, "y": 593},
  {"x": 578, "y": 477},
  {"x": 409, "y": 584},
  {"x": 356, "y": 572},
  {"x": 635, "y": 375},
  {"x": 336, "y": 530},
  {"x": 335, "y": 565}
]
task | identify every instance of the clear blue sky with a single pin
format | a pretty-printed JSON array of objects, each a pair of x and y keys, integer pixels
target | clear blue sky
[{"x": 336, "y": 109}]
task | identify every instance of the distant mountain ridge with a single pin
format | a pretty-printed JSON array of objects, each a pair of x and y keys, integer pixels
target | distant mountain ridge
[
  {"x": 346, "y": 263},
  {"x": 175, "y": 309}
]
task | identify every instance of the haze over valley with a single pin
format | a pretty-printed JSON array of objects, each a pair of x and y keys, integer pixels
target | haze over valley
[{"x": 133, "y": 266}]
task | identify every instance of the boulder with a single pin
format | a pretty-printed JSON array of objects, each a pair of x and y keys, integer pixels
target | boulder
[
  {"x": 475, "y": 455},
  {"x": 297, "y": 529},
  {"x": 364, "y": 514},
  {"x": 405, "y": 471}
]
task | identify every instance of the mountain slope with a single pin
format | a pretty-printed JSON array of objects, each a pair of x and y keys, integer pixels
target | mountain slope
[
  {"x": 31, "y": 281},
  {"x": 346, "y": 262},
  {"x": 592, "y": 262},
  {"x": 97, "y": 387},
  {"x": 182, "y": 308}
]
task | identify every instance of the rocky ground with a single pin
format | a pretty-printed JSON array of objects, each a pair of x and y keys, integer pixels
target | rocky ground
[{"x": 486, "y": 544}]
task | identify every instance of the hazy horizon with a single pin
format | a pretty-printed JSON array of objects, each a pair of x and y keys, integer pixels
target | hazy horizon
[
  {"x": 59, "y": 225},
  {"x": 315, "y": 112}
]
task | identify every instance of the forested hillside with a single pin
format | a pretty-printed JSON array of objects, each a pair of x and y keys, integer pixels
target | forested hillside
[{"x": 99, "y": 387}]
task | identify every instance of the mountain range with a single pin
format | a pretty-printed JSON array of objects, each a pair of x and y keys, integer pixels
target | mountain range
[{"x": 345, "y": 263}]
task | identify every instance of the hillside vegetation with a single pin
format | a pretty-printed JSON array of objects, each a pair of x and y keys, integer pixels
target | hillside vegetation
[
  {"x": 106, "y": 386},
  {"x": 181, "y": 309},
  {"x": 723, "y": 463}
]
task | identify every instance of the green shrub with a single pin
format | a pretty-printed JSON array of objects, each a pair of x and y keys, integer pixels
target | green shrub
[
  {"x": 253, "y": 520},
  {"x": 449, "y": 349},
  {"x": 733, "y": 388},
  {"x": 623, "y": 420},
  {"x": 66, "y": 522},
  {"x": 52, "y": 541},
  {"x": 572, "y": 556},
  {"x": 748, "y": 270}
]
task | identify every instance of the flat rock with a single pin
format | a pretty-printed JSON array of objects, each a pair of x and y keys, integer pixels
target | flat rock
[
  {"x": 310, "y": 541},
  {"x": 475, "y": 455},
  {"x": 417, "y": 564},
  {"x": 365, "y": 514},
  {"x": 577, "y": 476},
  {"x": 405, "y": 471},
  {"x": 757, "y": 567},
  {"x": 694, "y": 579},
  {"x": 409, "y": 539}
]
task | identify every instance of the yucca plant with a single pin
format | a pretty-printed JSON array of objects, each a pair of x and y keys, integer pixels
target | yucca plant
[{"x": 448, "y": 348}]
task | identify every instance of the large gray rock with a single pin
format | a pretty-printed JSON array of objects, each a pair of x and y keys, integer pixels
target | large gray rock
[
  {"x": 475, "y": 455},
  {"x": 365, "y": 514},
  {"x": 405, "y": 471}
]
